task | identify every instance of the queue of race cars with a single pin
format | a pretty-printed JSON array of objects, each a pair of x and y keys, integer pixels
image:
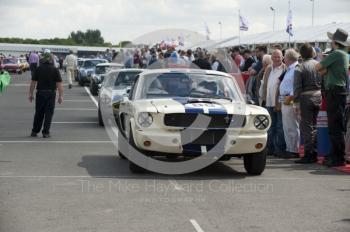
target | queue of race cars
[
  {"x": 173, "y": 112},
  {"x": 177, "y": 113}
]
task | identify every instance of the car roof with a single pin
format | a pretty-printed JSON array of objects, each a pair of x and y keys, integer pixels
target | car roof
[
  {"x": 111, "y": 64},
  {"x": 127, "y": 70},
  {"x": 94, "y": 59},
  {"x": 186, "y": 71}
]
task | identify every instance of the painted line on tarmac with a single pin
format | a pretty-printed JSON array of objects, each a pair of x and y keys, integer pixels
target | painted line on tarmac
[
  {"x": 25, "y": 84},
  {"x": 58, "y": 142},
  {"x": 58, "y": 177},
  {"x": 196, "y": 225},
  {"x": 75, "y": 109},
  {"x": 74, "y": 122},
  {"x": 92, "y": 97},
  {"x": 77, "y": 100},
  {"x": 135, "y": 177}
]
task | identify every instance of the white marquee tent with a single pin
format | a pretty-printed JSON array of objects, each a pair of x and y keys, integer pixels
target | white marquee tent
[{"x": 315, "y": 34}]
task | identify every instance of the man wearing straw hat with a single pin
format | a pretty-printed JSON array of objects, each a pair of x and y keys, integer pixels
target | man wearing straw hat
[{"x": 335, "y": 68}]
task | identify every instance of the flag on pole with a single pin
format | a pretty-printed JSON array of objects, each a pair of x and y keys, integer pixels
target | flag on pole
[
  {"x": 290, "y": 23},
  {"x": 181, "y": 40},
  {"x": 243, "y": 23},
  {"x": 207, "y": 31}
]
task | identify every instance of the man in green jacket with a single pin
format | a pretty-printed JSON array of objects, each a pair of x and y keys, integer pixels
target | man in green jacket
[
  {"x": 335, "y": 69},
  {"x": 5, "y": 79}
]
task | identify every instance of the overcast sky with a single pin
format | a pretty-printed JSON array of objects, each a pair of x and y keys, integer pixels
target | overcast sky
[{"x": 127, "y": 19}]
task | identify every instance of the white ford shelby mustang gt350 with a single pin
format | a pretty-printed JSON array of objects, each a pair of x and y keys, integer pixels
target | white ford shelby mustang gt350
[{"x": 189, "y": 113}]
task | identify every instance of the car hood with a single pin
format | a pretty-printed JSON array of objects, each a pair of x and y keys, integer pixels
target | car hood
[{"x": 207, "y": 106}]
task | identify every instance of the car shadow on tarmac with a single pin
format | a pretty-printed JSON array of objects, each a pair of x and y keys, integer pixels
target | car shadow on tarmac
[{"x": 111, "y": 166}]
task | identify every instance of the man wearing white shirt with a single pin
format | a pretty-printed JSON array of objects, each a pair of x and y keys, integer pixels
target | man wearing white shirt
[
  {"x": 72, "y": 63},
  {"x": 275, "y": 143},
  {"x": 289, "y": 117}
]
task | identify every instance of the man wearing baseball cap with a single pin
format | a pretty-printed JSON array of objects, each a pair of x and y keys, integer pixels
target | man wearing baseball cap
[
  {"x": 335, "y": 68},
  {"x": 47, "y": 80}
]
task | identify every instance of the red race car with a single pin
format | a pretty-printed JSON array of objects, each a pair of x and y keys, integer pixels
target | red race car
[{"x": 12, "y": 65}]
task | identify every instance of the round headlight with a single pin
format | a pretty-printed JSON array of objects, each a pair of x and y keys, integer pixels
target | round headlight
[
  {"x": 261, "y": 122},
  {"x": 145, "y": 119}
]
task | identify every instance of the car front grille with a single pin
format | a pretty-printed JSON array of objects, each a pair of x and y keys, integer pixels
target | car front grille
[{"x": 217, "y": 121}]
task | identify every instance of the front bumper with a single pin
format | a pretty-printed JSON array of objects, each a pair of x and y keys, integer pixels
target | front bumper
[{"x": 170, "y": 141}]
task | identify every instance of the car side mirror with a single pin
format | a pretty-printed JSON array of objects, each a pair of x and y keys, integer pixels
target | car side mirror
[
  {"x": 128, "y": 91},
  {"x": 250, "y": 102},
  {"x": 125, "y": 98}
]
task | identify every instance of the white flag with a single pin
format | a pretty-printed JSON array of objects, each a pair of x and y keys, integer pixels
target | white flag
[
  {"x": 181, "y": 40},
  {"x": 290, "y": 23},
  {"x": 207, "y": 31},
  {"x": 243, "y": 23}
]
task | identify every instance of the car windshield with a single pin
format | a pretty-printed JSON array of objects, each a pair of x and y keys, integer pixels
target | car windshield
[
  {"x": 92, "y": 63},
  {"x": 10, "y": 61},
  {"x": 80, "y": 63},
  {"x": 121, "y": 80},
  {"x": 169, "y": 85},
  {"x": 102, "y": 69}
]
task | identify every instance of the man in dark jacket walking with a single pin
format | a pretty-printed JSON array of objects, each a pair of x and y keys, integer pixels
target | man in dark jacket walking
[{"x": 47, "y": 80}]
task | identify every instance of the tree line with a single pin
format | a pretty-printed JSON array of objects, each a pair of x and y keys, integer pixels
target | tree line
[{"x": 80, "y": 38}]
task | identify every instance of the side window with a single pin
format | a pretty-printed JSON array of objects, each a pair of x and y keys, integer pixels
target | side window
[
  {"x": 133, "y": 88},
  {"x": 88, "y": 63},
  {"x": 111, "y": 80},
  {"x": 105, "y": 80}
]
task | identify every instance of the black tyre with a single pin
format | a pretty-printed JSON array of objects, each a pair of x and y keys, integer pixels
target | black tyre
[
  {"x": 134, "y": 168},
  {"x": 255, "y": 164},
  {"x": 121, "y": 156},
  {"x": 120, "y": 137},
  {"x": 81, "y": 83},
  {"x": 93, "y": 89},
  {"x": 100, "y": 119}
]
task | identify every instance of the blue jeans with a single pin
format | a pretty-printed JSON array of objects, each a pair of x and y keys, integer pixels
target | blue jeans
[{"x": 275, "y": 139}]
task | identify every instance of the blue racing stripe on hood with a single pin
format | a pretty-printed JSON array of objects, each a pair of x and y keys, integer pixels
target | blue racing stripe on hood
[
  {"x": 221, "y": 110},
  {"x": 206, "y": 108},
  {"x": 193, "y": 110}
]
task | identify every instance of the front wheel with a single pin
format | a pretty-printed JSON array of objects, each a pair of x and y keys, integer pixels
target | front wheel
[
  {"x": 134, "y": 168},
  {"x": 81, "y": 82},
  {"x": 255, "y": 164},
  {"x": 93, "y": 88},
  {"x": 100, "y": 119},
  {"x": 121, "y": 156}
]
